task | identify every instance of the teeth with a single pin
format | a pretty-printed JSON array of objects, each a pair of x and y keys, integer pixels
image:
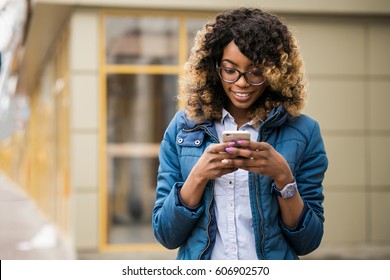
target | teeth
[{"x": 242, "y": 94}]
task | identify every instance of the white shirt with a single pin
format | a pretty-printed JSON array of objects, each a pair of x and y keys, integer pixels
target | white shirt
[{"x": 235, "y": 236}]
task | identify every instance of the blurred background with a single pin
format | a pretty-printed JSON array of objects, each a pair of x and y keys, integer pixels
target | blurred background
[{"x": 88, "y": 87}]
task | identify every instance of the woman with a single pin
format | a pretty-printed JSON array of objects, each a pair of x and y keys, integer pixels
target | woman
[{"x": 250, "y": 199}]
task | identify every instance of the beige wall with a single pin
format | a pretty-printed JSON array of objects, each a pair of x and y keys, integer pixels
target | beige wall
[{"x": 348, "y": 70}]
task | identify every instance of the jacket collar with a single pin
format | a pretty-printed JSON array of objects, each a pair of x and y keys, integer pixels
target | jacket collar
[
  {"x": 276, "y": 118},
  {"x": 189, "y": 124}
]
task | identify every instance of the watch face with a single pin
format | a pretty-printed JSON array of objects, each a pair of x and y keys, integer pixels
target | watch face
[{"x": 289, "y": 191}]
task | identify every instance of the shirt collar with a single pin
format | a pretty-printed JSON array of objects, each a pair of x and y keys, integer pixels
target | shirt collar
[{"x": 226, "y": 115}]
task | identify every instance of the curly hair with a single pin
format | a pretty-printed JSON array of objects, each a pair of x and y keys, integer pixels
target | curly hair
[{"x": 264, "y": 40}]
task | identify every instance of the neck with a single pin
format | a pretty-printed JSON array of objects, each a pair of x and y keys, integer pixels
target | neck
[{"x": 240, "y": 115}]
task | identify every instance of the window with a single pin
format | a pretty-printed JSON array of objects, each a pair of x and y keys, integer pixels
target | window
[{"x": 143, "y": 56}]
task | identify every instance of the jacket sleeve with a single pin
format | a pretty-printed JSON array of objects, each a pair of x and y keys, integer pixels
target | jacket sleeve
[
  {"x": 307, "y": 236},
  {"x": 172, "y": 221}
]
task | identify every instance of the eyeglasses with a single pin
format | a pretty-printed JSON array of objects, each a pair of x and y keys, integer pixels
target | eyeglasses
[{"x": 231, "y": 75}]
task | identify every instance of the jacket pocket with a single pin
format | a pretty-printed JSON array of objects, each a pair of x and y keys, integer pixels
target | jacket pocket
[{"x": 190, "y": 138}]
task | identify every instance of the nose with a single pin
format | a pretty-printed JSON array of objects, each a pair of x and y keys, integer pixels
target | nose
[{"x": 242, "y": 82}]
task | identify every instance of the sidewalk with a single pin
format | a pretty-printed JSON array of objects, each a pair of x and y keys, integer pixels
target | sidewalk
[{"x": 24, "y": 232}]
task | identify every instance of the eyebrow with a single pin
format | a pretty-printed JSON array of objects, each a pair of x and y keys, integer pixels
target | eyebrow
[{"x": 232, "y": 62}]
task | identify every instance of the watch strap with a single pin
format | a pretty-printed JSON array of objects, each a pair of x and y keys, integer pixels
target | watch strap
[{"x": 288, "y": 190}]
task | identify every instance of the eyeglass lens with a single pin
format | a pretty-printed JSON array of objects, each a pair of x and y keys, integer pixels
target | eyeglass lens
[{"x": 232, "y": 75}]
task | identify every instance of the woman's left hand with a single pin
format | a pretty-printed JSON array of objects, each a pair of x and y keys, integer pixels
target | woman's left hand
[{"x": 262, "y": 158}]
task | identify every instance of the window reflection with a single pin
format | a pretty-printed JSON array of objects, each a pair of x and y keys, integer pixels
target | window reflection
[
  {"x": 139, "y": 108},
  {"x": 142, "y": 40},
  {"x": 193, "y": 25}
]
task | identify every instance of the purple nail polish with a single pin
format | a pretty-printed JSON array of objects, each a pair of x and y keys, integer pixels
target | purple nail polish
[
  {"x": 229, "y": 150},
  {"x": 231, "y": 144},
  {"x": 240, "y": 142}
]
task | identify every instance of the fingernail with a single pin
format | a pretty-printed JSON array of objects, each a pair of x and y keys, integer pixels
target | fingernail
[
  {"x": 224, "y": 161},
  {"x": 231, "y": 144},
  {"x": 240, "y": 142},
  {"x": 229, "y": 150}
]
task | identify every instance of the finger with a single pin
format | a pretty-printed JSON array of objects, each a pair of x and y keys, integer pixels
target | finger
[
  {"x": 244, "y": 143},
  {"x": 245, "y": 162},
  {"x": 262, "y": 146},
  {"x": 228, "y": 170},
  {"x": 254, "y": 145},
  {"x": 217, "y": 148},
  {"x": 228, "y": 163},
  {"x": 240, "y": 152},
  {"x": 255, "y": 169}
]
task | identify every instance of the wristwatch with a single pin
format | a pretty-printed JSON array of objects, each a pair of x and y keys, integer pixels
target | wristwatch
[{"x": 288, "y": 191}]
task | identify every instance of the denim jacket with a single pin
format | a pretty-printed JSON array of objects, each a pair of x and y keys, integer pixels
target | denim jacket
[{"x": 194, "y": 229}]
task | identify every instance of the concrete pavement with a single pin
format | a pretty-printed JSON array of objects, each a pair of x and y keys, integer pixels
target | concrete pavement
[{"x": 24, "y": 232}]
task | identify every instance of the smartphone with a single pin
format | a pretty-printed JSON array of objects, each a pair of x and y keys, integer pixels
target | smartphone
[{"x": 233, "y": 136}]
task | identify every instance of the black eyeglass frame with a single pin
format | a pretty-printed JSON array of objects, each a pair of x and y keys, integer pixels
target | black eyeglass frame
[{"x": 219, "y": 68}]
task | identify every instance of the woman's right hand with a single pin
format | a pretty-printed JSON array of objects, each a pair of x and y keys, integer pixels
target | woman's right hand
[{"x": 209, "y": 166}]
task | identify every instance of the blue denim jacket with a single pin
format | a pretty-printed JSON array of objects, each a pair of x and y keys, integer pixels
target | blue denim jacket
[{"x": 193, "y": 230}]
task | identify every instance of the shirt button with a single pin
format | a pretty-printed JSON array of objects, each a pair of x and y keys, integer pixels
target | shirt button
[
  {"x": 197, "y": 142},
  {"x": 180, "y": 140}
]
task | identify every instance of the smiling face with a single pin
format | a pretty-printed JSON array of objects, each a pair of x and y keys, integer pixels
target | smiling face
[{"x": 241, "y": 94}]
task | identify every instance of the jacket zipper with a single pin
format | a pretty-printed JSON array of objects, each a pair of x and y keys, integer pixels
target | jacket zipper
[
  {"x": 258, "y": 189},
  {"x": 271, "y": 120},
  {"x": 261, "y": 218}
]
